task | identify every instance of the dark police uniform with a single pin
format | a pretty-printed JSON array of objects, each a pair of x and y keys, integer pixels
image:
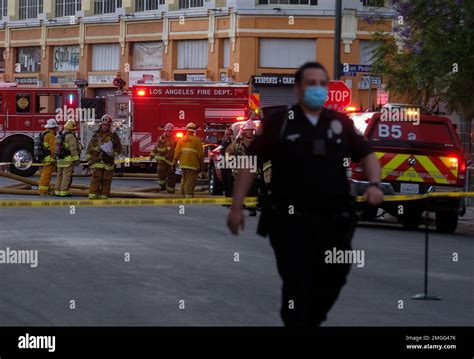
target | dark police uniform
[{"x": 309, "y": 209}]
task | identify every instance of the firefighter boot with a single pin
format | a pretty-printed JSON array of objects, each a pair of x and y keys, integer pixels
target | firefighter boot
[
  {"x": 96, "y": 179},
  {"x": 106, "y": 184},
  {"x": 45, "y": 179}
]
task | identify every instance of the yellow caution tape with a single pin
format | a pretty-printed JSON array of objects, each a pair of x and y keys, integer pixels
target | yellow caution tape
[
  {"x": 415, "y": 197},
  {"x": 125, "y": 160},
  {"x": 249, "y": 201},
  {"x": 123, "y": 202}
]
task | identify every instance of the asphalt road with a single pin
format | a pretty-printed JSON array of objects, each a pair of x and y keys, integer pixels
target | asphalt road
[{"x": 189, "y": 259}]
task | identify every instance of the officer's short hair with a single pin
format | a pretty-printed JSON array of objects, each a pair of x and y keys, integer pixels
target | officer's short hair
[{"x": 309, "y": 65}]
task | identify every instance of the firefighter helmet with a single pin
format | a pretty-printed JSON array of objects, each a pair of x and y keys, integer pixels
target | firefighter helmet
[
  {"x": 70, "y": 125},
  {"x": 169, "y": 127},
  {"x": 51, "y": 123},
  {"x": 106, "y": 120},
  {"x": 191, "y": 127},
  {"x": 249, "y": 125}
]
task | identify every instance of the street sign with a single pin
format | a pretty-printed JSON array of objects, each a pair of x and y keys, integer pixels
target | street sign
[
  {"x": 350, "y": 68},
  {"x": 339, "y": 95},
  {"x": 364, "y": 82},
  {"x": 349, "y": 74}
]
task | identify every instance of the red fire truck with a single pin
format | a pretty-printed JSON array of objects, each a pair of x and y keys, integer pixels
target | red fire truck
[
  {"x": 141, "y": 114},
  {"x": 23, "y": 113}
]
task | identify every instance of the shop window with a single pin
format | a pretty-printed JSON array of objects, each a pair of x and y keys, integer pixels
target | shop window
[{"x": 29, "y": 59}]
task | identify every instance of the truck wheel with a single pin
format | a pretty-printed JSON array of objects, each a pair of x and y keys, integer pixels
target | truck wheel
[
  {"x": 215, "y": 186},
  {"x": 21, "y": 156},
  {"x": 411, "y": 219},
  {"x": 446, "y": 222}
]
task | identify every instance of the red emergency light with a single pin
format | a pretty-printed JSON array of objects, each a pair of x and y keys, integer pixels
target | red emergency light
[
  {"x": 240, "y": 118},
  {"x": 141, "y": 92},
  {"x": 351, "y": 109},
  {"x": 179, "y": 134}
]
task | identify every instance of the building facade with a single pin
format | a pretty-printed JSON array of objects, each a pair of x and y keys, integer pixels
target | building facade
[{"x": 54, "y": 43}]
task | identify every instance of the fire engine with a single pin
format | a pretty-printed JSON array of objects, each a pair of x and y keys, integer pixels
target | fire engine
[
  {"x": 141, "y": 114},
  {"x": 417, "y": 157},
  {"x": 23, "y": 113}
]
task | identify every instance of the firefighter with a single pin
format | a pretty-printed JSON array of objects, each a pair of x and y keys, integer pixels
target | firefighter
[
  {"x": 48, "y": 144},
  {"x": 190, "y": 154},
  {"x": 307, "y": 220},
  {"x": 227, "y": 178},
  {"x": 239, "y": 147},
  {"x": 164, "y": 154},
  {"x": 101, "y": 152},
  {"x": 67, "y": 158}
]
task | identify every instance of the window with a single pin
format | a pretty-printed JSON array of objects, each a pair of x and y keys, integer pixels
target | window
[
  {"x": 286, "y": 53},
  {"x": 147, "y": 5},
  {"x": 48, "y": 103},
  {"x": 23, "y": 103},
  {"x": 287, "y": 2},
  {"x": 29, "y": 59},
  {"x": 226, "y": 61},
  {"x": 66, "y": 58},
  {"x": 3, "y": 8},
  {"x": 2, "y": 60},
  {"x": 67, "y": 7},
  {"x": 186, "y": 4},
  {"x": 148, "y": 56},
  {"x": 377, "y": 3},
  {"x": 367, "y": 51},
  {"x": 29, "y": 9},
  {"x": 105, "y": 57},
  {"x": 192, "y": 54},
  {"x": 106, "y": 6}
]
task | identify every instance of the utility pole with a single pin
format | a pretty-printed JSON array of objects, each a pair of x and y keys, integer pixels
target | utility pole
[{"x": 337, "y": 40}]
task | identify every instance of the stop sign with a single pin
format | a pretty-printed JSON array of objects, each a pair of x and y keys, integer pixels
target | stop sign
[{"x": 339, "y": 95}]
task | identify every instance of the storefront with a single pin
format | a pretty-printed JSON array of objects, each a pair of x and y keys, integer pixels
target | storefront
[{"x": 275, "y": 90}]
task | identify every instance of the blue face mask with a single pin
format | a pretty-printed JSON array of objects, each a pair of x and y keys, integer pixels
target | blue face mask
[{"x": 315, "y": 96}]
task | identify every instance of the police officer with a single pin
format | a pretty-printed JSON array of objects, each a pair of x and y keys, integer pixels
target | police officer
[{"x": 307, "y": 219}]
